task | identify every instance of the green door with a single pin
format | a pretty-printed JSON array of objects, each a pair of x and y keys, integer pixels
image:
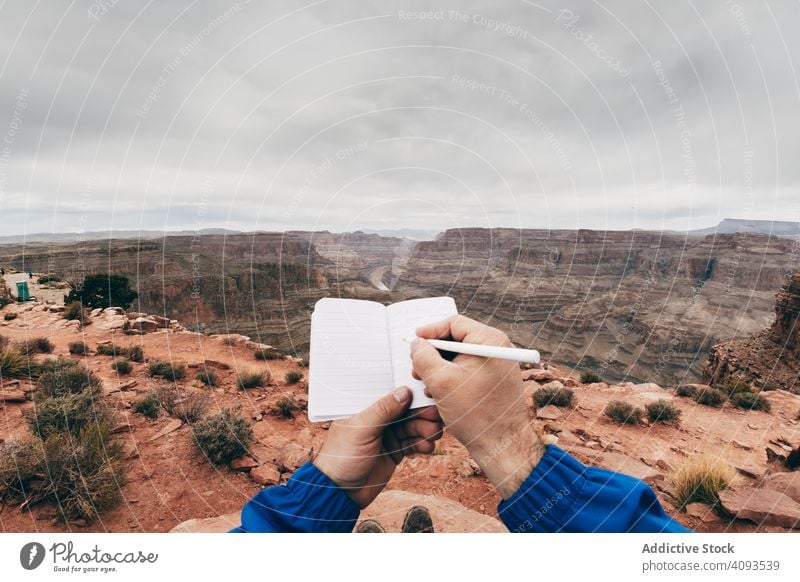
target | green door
[{"x": 22, "y": 291}]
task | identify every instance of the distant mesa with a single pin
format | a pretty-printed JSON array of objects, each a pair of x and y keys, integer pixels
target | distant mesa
[{"x": 737, "y": 225}]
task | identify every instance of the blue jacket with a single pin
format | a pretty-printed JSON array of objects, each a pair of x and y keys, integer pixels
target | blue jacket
[{"x": 560, "y": 495}]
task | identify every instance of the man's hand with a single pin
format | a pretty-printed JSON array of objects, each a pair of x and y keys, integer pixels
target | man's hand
[
  {"x": 361, "y": 453},
  {"x": 481, "y": 400}
]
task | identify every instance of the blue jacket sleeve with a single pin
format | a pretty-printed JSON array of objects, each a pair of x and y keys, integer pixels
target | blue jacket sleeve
[
  {"x": 563, "y": 495},
  {"x": 309, "y": 502}
]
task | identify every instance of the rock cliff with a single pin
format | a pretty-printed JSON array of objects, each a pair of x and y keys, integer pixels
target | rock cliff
[{"x": 771, "y": 358}]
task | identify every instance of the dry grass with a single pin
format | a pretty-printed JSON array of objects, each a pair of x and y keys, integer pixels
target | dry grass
[{"x": 701, "y": 479}]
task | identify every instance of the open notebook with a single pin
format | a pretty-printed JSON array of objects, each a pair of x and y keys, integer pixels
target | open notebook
[{"x": 358, "y": 352}]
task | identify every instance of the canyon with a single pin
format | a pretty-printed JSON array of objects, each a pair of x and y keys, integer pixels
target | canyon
[{"x": 629, "y": 305}]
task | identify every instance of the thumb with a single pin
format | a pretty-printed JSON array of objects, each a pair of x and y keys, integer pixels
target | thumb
[
  {"x": 426, "y": 359},
  {"x": 386, "y": 410}
]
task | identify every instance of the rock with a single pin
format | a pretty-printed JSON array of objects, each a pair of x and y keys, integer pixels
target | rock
[
  {"x": 648, "y": 387},
  {"x": 750, "y": 470},
  {"x": 742, "y": 445},
  {"x": 265, "y": 475},
  {"x": 390, "y": 508},
  {"x": 121, "y": 427},
  {"x": 570, "y": 382},
  {"x": 539, "y": 375},
  {"x": 703, "y": 512},
  {"x": 95, "y": 312},
  {"x": 144, "y": 324},
  {"x": 127, "y": 385},
  {"x": 56, "y": 309},
  {"x": 774, "y": 457},
  {"x": 244, "y": 463},
  {"x": 786, "y": 483},
  {"x": 762, "y": 506},
  {"x": 171, "y": 426},
  {"x": 549, "y": 412},
  {"x": 219, "y": 524},
  {"x": 664, "y": 466},
  {"x": 12, "y": 395},
  {"x": 216, "y": 364},
  {"x": 555, "y": 384},
  {"x": 115, "y": 311},
  {"x": 160, "y": 321}
]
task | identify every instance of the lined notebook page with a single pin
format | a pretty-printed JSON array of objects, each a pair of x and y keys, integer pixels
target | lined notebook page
[
  {"x": 350, "y": 364},
  {"x": 403, "y": 318}
]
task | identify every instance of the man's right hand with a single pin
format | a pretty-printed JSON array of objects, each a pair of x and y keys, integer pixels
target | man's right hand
[{"x": 481, "y": 401}]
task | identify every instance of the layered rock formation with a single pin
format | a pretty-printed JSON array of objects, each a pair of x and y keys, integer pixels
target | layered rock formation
[
  {"x": 770, "y": 358},
  {"x": 638, "y": 305}
]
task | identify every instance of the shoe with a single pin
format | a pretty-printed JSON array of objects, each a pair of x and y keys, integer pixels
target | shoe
[
  {"x": 369, "y": 526},
  {"x": 418, "y": 520}
]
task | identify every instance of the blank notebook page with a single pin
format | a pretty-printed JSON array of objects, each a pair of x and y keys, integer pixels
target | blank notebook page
[
  {"x": 403, "y": 319},
  {"x": 351, "y": 366}
]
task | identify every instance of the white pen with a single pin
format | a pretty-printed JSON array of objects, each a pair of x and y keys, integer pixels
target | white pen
[{"x": 503, "y": 353}]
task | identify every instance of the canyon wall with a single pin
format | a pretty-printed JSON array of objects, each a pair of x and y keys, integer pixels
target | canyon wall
[{"x": 636, "y": 305}]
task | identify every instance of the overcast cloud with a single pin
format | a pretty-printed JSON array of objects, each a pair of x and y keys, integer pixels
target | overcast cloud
[{"x": 347, "y": 115}]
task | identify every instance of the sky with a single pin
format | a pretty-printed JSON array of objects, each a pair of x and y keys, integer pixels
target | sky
[{"x": 125, "y": 115}]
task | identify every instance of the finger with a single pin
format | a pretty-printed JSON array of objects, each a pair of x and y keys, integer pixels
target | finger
[
  {"x": 426, "y": 360},
  {"x": 457, "y": 327},
  {"x": 386, "y": 410},
  {"x": 427, "y": 413},
  {"x": 392, "y": 447},
  {"x": 426, "y": 429},
  {"x": 417, "y": 445}
]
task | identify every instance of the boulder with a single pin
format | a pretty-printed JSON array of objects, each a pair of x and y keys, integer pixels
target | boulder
[
  {"x": 219, "y": 524},
  {"x": 115, "y": 310},
  {"x": 244, "y": 463},
  {"x": 539, "y": 375},
  {"x": 145, "y": 324},
  {"x": 56, "y": 309},
  {"x": 549, "y": 412},
  {"x": 449, "y": 516},
  {"x": 216, "y": 364},
  {"x": 786, "y": 483},
  {"x": 555, "y": 384},
  {"x": 171, "y": 426},
  {"x": 12, "y": 395},
  {"x": 265, "y": 475},
  {"x": 762, "y": 506},
  {"x": 703, "y": 512},
  {"x": 95, "y": 312}
]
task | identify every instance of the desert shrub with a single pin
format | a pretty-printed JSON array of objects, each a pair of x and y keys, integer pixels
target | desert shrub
[
  {"x": 78, "y": 348},
  {"x": 148, "y": 405},
  {"x": 10, "y": 316},
  {"x": 208, "y": 377},
  {"x": 662, "y": 411},
  {"x": 769, "y": 386},
  {"x": 735, "y": 386},
  {"x": 68, "y": 414},
  {"x": 589, "y": 377},
  {"x": 293, "y": 377},
  {"x": 103, "y": 291},
  {"x": 248, "y": 380},
  {"x": 623, "y": 412},
  {"x": 122, "y": 366},
  {"x": 109, "y": 349},
  {"x": 191, "y": 407},
  {"x": 168, "y": 397},
  {"x": 167, "y": 370},
  {"x": 229, "y": 341},
  {"x": 751, "y": 401},
  {"x": 267, "y": 355},
  {"x": 73, "y": 311},
  {"x": 687, "y": 390},
  {"x": 19, "y": 465},
  {"x": 37, "y": 345},
  {"x": 44, "y": 279},
  {"x": 81, "y": 475},
  {"x": 135, "y": 354},
  {"x": 69, "y": 380},
  {"x": 700, "y": 480},
  {"x": 710, "y": 397},
  {"x": 556, "y": 396},
  {"x": 286, "y": 407},
  {"x": 55, "y": 365},
  {"x": 13, "y": 363},
  {"x": 223, "y": 437}
]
